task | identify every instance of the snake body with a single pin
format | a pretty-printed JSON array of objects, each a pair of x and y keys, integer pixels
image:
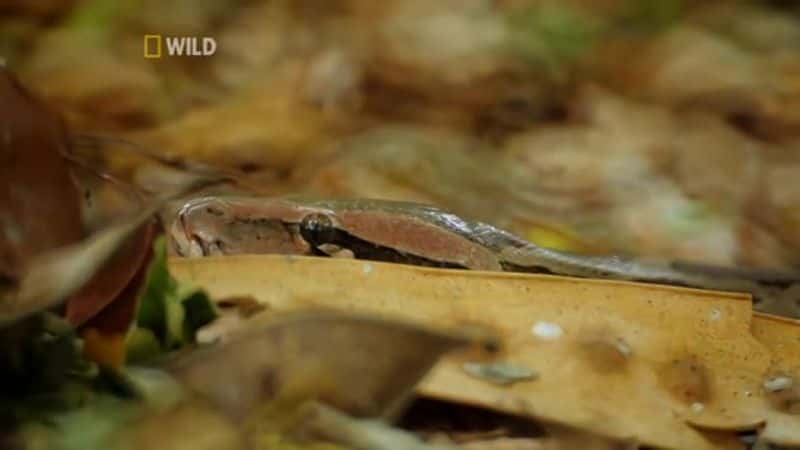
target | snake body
[{"x": 411, "y": 233}]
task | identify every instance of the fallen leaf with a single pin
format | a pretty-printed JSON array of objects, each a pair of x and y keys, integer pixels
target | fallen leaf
[
  {"x": 363, "y": 366},
  {"x": 105, "y": 334},
  {"x": 54, "y": 275},
  {"x": 57, "y": 274},
  {"x": 641, "y": 329},
  {"x": 782, "y": 337},
  {"x": 112, "y": 279},
  {"x": 39, "y": 203}
]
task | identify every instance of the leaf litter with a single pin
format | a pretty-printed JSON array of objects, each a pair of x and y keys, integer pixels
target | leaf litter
[
  {"x": 630, "y": 378},
  {"x": 704, "y": 387},
  {"x": 124, "y": 307}
]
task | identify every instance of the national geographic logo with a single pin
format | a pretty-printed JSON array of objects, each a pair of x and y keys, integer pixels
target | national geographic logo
[{"x": 156, "y": 46}]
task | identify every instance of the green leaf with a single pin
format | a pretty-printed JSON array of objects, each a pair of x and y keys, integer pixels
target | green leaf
[
  {"x": 169, "y": 312},
  {"x": 152, "y": 306},
  {"x": 142, "y": 345}
]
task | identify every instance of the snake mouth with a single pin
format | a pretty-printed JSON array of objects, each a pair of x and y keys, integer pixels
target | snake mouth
[
  {"x": 185, "y": 242},
  {"x": 196, "y": 242}
]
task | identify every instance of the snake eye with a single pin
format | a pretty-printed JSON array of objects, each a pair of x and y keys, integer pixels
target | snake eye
[{"x": 317, "y": 229}]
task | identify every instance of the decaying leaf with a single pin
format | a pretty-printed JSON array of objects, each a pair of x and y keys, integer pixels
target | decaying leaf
[
  {"x": 605, "y": 372},
  {"x": 58, "y": 273},
  {"x": 106, "y": 334},
  {"x": 39, "y": 203},
  {"x": 54, "y": 275},
  {"x": 42, "y": 261},
  {"x": 363, "y": 366},
  {"x": 107, "y": 284}
]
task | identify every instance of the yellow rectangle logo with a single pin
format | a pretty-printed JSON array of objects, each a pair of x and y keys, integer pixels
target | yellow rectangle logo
[{"x": 152, "y": 46}]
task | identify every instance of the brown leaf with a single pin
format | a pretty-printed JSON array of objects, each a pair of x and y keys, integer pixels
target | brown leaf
[
  {"x": 364, "y": 366},
  {"x": 58, "y": 273},
  {"x": 113, "y": 280},
  {"x": 598, "y": 346},
  {"x": 39, "y": 203},
  {"x": 54, "y": 275},
  {"x": 105, "y": 332}
]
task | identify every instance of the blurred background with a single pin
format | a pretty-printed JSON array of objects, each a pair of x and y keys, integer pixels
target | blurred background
[{"x": 659, "y": 128}]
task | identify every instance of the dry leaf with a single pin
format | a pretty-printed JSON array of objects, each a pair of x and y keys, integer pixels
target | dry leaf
[
  {"x": 623, "y": 360},
  {"x": 39, "y": 203},
  {"x": 782, "y": 337},
  {"x": 105, "y": 334},
  {"x": 113, "y": 278},
  {"x": 361, "y": 365},
  {"x": 57, "y": 274}
]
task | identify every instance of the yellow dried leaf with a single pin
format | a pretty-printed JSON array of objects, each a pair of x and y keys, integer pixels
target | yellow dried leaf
[
  {"x": 782, "y": 338},
  {"x": 623, "y": 360}
]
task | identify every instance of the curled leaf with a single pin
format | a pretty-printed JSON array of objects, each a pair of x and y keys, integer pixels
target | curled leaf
[
  {"x": 111, "y": 281},
  {"x": 53, "y": 276},
  {"x": 364, "y": 366},
  {"x": 56, "y": 274}
]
